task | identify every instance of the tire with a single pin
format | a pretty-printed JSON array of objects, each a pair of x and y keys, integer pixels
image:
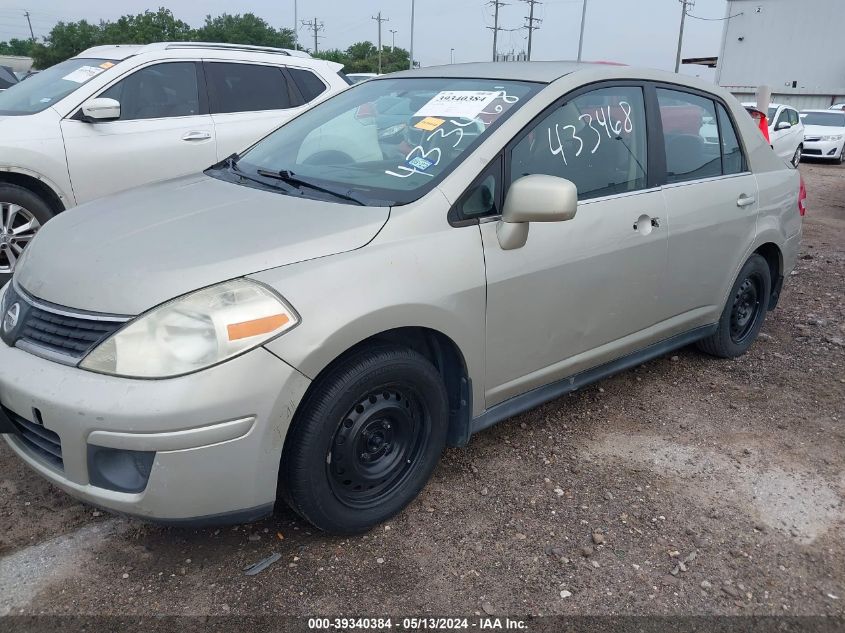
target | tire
[
  {"x": 744, "y": 312},
  {"x": 842, "y": 156},
  {"x": 27, "y": 207},
  {"x": 796, "y": 157},
  {"x": 365, "y": 441}
]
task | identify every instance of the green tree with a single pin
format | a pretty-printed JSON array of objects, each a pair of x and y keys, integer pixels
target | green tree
[
  {"x": 16, "y": 46},
  {"x": 146, "y": 27},
  {"x": 65, "y": 40},
  {"x": 243, "y": 29},
  {"x": 362, "y": 57}
]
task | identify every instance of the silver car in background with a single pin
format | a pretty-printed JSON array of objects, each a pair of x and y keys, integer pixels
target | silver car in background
[{"x": 402, "y": 266}]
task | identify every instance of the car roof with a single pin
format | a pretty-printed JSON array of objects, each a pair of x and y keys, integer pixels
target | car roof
[
  {"x": 825, "y": 110},
  {"x": 123, "y": 51},
  {"x": 545, "y": 72}
]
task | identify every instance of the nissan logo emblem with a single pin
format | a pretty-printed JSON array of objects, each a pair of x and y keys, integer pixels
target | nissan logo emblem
[{"x": 11, "y": 318}]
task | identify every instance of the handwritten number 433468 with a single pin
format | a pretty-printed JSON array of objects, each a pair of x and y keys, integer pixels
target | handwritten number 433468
[{"x": 601, "y": 117}]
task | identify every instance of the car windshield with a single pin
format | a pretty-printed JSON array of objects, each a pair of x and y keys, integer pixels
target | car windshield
[
  {"x": 384, "y": 141},
  {"x": 44, "y": 89},
  {"x": 826, "y": 119}
]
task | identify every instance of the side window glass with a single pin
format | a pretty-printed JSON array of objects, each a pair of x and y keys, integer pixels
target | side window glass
[
  {"x": 309, "y": 84},
  {"x": 482, "y": 197},
  {"x": 159, "y": 91},
  {"x": 597, "y": 140},
  {"x": 732, "y": 158},
  {"x": 783, "y": 117},
  {"x": 246, "y": 87},
  {"x": 690, "y": 136},
  {"x": 793, "y": 117}
]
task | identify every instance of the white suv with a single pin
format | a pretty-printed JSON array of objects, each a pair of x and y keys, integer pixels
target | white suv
[{"x": 115, "y": 117}]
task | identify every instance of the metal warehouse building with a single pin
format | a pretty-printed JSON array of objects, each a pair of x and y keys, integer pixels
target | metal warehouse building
[{"x": 793, "y": 46}]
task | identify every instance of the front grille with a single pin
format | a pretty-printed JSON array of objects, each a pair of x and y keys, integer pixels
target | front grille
[
  {"x": 41, "y": 442},
  {"x": 55, "y": 332},
  {"x": 70, "y": 335},
  {"x": 811, "y": 152},
  {"x": 812, "y": 139}
]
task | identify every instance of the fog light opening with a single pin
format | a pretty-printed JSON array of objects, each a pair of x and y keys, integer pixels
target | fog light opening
[{"x": 119, "y": 470}]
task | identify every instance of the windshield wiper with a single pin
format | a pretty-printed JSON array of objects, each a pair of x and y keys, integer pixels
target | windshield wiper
[{"x": 288, "y": 177}]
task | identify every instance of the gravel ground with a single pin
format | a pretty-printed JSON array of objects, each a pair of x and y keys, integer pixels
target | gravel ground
[{"x": 689, "y": 485}]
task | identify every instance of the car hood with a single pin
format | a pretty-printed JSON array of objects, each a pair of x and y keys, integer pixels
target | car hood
[
  {"x": 822, "y": 130},
  {"x": 132, "y": 251}
]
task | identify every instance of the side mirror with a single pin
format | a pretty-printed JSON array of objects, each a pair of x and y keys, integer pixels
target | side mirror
[
  {"x": 101, "y": 109},
  {"x": 783, "y": 125},
  {"x": 535, "y": 198}
]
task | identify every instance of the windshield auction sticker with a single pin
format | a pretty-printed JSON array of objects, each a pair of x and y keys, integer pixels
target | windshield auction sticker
[
  {"x": 83, "y": 74},
  {"x": 458, "y": 103}
]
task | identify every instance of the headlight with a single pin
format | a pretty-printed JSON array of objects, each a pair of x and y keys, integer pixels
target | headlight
[
  {"x": 193, "y": 332},
  {"x": 835, "y": 137}
]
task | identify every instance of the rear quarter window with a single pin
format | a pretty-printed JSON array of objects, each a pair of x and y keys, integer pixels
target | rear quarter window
[{"x": 309, "y": 84}]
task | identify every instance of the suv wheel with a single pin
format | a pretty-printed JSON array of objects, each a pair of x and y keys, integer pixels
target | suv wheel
[
  {"x": 22, "y": 213},
  {"x": 796, "y": 157},
  {"x": 744, "y": 311},
  {"x": 366, "y": 440}
]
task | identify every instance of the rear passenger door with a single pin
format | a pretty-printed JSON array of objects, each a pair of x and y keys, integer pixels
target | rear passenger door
[
  {"x": 711, "y": 198},
  {"x": 248, "y": 101}
]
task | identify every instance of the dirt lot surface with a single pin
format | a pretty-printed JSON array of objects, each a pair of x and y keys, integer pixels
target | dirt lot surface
[{"x": 689, "y": 485}]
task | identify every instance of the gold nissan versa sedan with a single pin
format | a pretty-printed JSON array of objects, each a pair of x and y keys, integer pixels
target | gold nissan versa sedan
[{"x": 404, "y": 265}]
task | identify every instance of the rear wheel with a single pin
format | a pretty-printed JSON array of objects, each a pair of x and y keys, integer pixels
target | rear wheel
[
  {"x": 744, "y": 311},
  {"x": 22, "y": 214},
  {"x": 366, "y": 440}
]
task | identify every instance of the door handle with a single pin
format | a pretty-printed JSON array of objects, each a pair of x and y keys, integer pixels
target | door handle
[
  {"x": 745, "y": 201},
  {"x": 196, "y": 135},
  {"x": 644, "y": 222}
]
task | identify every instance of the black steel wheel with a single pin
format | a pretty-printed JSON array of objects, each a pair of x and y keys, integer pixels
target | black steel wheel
[
  {"x": 365, "y": 439},
  {"x": 377, "y": 445},
  {"x": 744, "y": 311}
]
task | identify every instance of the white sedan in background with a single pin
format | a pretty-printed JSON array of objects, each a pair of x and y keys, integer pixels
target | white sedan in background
[
  {"x": 824, "y": 134},
  {"x": 786, "y": 132}
]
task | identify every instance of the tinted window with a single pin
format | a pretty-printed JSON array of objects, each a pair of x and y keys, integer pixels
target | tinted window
[
  {"x": 155, "y": 92},
  {"x": 597, "y": 140},
  {"x": 246, "y": 87},
  {"x": 732, "y": 159},
  {"x": 309, "y": 84},
  {"x": 793, "y": 117},
  {"x": 690, "y": 135}
]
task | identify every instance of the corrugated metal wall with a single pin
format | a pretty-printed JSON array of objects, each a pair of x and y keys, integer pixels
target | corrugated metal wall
[{"x": 793, "y": 46}]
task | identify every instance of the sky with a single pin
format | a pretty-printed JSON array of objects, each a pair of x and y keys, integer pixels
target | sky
[{"x": 635, "y": 32}]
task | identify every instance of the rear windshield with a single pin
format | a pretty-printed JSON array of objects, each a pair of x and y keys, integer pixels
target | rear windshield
[
  {"x": 48, "y": 87},
  {"x": 389, "y": 140},
  {"x": 827, "y": 119}
]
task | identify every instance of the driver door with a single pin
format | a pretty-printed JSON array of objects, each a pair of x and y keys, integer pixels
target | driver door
[
  {"x": 164, "y": 131},
  {"x": 588, "y": 290}
]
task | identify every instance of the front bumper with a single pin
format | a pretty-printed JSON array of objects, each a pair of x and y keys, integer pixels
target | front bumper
[
  {"x": 217, "y": 434},
  {"x": 830, "y": 150}
]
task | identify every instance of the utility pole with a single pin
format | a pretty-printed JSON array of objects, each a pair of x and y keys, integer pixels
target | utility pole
[
  {"x": 496, "y": 28},
  {"x": 393, "y": 32},
  {"x": 581, "y": 37},
  {"x": 531, "y": 20},
  {"x": 31, "y": 34},
  {"x": 315, "y": 27},
  {"x": 379, "y": 19},
  {"x": 684, "y": 5},
  {"x": 295, "y": 26},
  {"x": 412, "y": 34}
]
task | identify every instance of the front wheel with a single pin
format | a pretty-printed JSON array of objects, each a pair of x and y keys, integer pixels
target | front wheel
[
  {"x": 744, "y": 311},
  {"x": 366, "y": 440},
  {"x": 22, "y": 214}
]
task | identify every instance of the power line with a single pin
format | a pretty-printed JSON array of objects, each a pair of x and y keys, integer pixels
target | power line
[
  {"x": 531, "y": 20},
  {"x": 315, "y": 27},
  {"x": 696, "y": 17},
  {"x": 379, "y": 19}
]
